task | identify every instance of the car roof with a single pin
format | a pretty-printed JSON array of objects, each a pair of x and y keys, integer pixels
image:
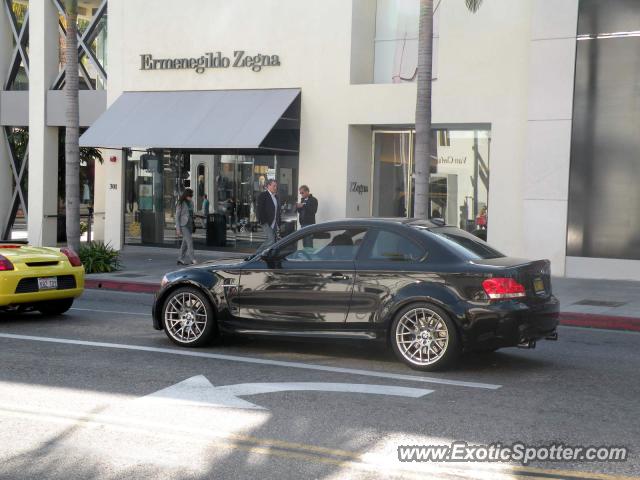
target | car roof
[{"x": 382, "y": 221}]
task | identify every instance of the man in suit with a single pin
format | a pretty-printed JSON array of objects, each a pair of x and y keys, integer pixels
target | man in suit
[{"x": 268, "y": 213}]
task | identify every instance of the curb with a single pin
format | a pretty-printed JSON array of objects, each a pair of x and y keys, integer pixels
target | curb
[
  {"x": 585, "y": 320},
  {"x": 590, "y": 320},
  {"x": 117, "y": 285}
]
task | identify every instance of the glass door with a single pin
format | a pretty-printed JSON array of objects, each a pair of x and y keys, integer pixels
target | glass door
[
  {"x": 392, "y": 173},
  {"x": 458, "y": 181}
]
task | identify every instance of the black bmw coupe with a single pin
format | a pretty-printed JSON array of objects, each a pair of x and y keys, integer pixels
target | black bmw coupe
[{"x": 430, "y": 291}]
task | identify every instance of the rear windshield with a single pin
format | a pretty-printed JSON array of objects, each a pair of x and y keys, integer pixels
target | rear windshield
[{"x": 466, "y": 244}]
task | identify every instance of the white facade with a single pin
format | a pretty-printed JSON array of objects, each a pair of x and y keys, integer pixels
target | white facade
[{"x": 508, "y": 68}]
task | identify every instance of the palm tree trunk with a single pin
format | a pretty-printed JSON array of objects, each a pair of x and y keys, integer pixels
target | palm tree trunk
[
  {"x": 423, "y": 111},
  {"x": 72, "y": 149}
]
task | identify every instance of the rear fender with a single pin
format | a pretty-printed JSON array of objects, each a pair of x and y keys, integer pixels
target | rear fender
[{"x": 421, "y": 293}]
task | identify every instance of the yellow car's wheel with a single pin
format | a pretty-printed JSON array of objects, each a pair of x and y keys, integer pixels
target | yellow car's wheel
[{"x": 54, "y": 307}]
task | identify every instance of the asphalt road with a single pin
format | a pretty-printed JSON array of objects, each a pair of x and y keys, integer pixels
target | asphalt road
[{"x": 75, "y": 402}]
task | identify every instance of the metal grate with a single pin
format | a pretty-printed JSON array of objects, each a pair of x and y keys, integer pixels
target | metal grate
[{"x": 600, "y": 303}]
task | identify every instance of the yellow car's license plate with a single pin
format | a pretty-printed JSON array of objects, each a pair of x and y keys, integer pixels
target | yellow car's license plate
[
  {"x": 48, "y": 283},
  {"x": 538, "y": 285}
]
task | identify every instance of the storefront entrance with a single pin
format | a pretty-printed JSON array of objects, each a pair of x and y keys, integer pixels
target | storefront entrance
[
  {"x": 225, "y": 190},
  {"x": 459, "y": 178}
]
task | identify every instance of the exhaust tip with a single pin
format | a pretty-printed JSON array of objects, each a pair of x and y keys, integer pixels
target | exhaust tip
[
  {"x": 553, "y": 336},
  {"x": 527, "y": 344}
]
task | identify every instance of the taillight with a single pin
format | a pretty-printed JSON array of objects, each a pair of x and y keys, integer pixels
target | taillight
[
  {"x": 499, "y": 288},
  {"x": 5, "y": 264},
  {"x": 73, "y": 257}
]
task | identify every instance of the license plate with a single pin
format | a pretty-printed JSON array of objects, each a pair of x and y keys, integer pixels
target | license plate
[
  {"x": 48, "y": 283},
  {"x": 538, "y": 285}
]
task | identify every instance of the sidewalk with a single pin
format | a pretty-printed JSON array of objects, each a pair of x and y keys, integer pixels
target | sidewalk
[
  {"x": 143, "y": 268},
  {"x": 587, "y": 303}
]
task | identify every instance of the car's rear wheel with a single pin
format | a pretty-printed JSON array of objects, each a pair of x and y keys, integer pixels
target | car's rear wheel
[
  {"x": 424, "y": 337},
  {"x": 188, "y": 317},
  {"x": 54, "y": 307}
]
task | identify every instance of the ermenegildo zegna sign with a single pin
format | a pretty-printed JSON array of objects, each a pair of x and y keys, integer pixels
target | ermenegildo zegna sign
[{"x": 240, "y": 59}]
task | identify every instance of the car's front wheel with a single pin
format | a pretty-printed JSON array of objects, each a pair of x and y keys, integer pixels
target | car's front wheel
[
  {"x": 188, "y": 317},
  {"x": 54, "y": 307},
  {"x": 424, "y": 337}
]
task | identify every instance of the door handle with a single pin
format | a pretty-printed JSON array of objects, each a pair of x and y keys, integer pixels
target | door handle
[{"x": 339, "y": 276}]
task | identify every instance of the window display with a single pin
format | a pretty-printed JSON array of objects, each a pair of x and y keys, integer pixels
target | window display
[
  {"x": 459, "y": 178},
  {"x": 225, "y": 187}
]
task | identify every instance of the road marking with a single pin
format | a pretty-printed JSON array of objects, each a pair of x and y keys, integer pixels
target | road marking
[
  {"x": 298, "y": 451},
  {"x": 259, "y": 361},
  {"x": 109, "y": 311},
  {"x": 198, "y": 390}
]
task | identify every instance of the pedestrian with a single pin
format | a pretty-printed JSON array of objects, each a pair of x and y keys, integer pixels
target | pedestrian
[
  {"x": 268, "y": 212},
  {"x": 185, "y": 227},
  {"x": 205, "y": 209},
  {"x": 307, "y": 207}
]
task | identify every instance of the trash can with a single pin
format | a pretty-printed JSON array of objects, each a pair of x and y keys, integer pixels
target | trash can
[
  {"x": 216, "y": 230},
  {"x": 287, "y": 227},
  {"x": 151, "y": 227}
]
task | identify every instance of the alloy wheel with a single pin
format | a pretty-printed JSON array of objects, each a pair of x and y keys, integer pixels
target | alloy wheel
[
  {"x": 185, "y": 317},
  {"x": 422, "y": 336}
]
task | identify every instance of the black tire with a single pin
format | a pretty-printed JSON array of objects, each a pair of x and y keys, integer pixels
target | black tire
[
  {"x": 54, "y": 307},
  {"x": 180, "y": 329},
  {"x": 448, "y": 350}
]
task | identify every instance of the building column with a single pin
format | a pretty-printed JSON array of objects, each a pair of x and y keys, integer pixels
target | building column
[
  {"x": 43, "y": 140},
  {"x": 114, "y": 199},
  {"x": 5, "y": 168},
  {"x": 551, "y": 77}
]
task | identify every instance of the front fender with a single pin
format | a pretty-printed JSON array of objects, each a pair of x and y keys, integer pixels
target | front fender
[{"x": 204, "y": 281}]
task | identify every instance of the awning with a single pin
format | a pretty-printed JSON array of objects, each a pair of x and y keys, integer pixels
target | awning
[{"x": 208, "y": 119}]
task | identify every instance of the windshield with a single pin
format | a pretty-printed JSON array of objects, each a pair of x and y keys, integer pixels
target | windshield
[{"x": 466, "y": 244}]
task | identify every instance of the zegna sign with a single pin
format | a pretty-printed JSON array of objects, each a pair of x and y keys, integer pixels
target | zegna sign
[{"x": 239, "y": 59}]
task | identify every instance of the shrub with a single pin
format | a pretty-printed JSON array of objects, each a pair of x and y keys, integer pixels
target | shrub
[{"x": 99, "y": 258}]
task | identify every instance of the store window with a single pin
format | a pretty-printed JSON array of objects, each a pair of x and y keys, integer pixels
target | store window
[
  {"x": 225, "y": 191},
  {"x": 459, "y": 177},
  {"x": 396, "y": 40},
  {"x": 92, "y": 39}
]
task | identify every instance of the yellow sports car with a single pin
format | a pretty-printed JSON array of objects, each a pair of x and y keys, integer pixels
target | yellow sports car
[{"x": 46, "y": 279}]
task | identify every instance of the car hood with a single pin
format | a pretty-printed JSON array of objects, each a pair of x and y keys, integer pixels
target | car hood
[{"x": 221, "y": 262}]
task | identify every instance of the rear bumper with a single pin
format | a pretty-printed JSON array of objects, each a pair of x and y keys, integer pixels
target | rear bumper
[
  {"x": 9, "y": 282},
  {"x": 509, "y": 323}
]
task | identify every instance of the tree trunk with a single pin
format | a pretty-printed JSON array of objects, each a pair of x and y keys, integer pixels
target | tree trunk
[
  {"x": 423, "y": 112},
  {"x": 72, "y": 150}
]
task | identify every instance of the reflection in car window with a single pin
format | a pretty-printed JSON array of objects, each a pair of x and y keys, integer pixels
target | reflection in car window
[
  {"x": 327, "y": 245},
  {"x": 391, "y": 246},
  {"x": 469, "y": 245}
]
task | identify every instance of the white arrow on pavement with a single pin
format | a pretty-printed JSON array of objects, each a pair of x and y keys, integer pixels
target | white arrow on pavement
[{"x": 198, "y": 390}]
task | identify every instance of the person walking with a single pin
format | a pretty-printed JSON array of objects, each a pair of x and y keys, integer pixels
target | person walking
[
  {"x": 307, "y": 207},
  {"x": 185, "y": 227},
  {"x": 268, "y": 213}
]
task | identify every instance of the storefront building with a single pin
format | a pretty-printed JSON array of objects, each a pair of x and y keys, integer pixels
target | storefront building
[{"x": 534, "y": 115}]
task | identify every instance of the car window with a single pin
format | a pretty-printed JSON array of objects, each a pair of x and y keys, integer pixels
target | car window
[
  {"x": 466, "y": 243},
  {"x": 392, "y": 246},
  {"x": 326, "y": 245}
]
